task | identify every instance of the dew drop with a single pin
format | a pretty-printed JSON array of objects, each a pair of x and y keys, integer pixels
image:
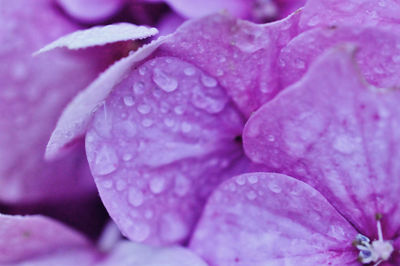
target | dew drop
[
  {"x": 252, "y": 179},
  {"x": 251, "y": 195},
  {"x": 240, "y": 180},
  {"x": 128, "y": 100},
  {"x": 189, "y": 71},
  {"x": 144, "y": 109},
  {"x": 147, "y": 122},
  {"x": 186, "y": 127},
  {"x": 135, "y": 197},
  {"x": 140, "y": 232},
  {"x": 157, "y": 185},
  {"x": 106, "y": 161},
  {"x": 138, "y": 87},
  {"x": 121, "y": 185},
  {"x": 208, "y": 81},
  {"x": 142, "y": 70},
  {"x": 271, "y": 138},
  {"x": 169, "y": 122},
  {"x": 127, "y": 157},
  {"x": 274, "y": 187},
  {"x": 182, "y": 185},
  {"x": 164, "y": 81},
  {"x": 179, "y": 110},
  {"x": 173, "y": 228}
]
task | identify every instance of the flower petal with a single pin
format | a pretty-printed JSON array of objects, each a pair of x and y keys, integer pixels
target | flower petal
[
  {"x": 75, "y": 118},
  {"x": 159, "y": 144},
  {"x": 101, "y": 35},
  {"x": 38, "y": 239},
  {"x": 128, "y": 253},
  {"x": 378, "y": 55},
  {"x": 338, "y": 134},
  {"x": 91, "y": 10},
  {"x": 272, "y": 219},
  {"x": 350, "y": 12},
  {"x": 33, "y": 92}
]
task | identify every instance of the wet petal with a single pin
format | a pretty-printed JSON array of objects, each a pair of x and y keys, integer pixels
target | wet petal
[
  {"x": 378, "y": 53},
  {"x": 37, "y": 240},
  {"x": 101, "y": 35},
  {"x": 164, "y": 138},
  {"x": 272, "y": 219},
  {"x": 337, "y": 133},
  {"x": 75, "y": 118},
  {"x": 350, "y": 12},
  {"x": 91, "y": 10}
]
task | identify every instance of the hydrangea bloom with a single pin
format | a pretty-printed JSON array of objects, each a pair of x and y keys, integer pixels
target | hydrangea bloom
[{"x": 336, "y": 133}]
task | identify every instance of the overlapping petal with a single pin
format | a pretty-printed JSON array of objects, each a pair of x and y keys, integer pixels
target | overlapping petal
[
  {"x": 337, "y": 133},
  {"x": 272, "y": 219}
]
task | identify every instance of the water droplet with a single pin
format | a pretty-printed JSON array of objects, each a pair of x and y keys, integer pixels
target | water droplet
[
  {"x": 179, "y": 110},
  {"x": 252, "y": 179},
  {"x": 314, "y": 21},
  {"x": 147, "y": 122},
  {"x": 208, "y": 81},
  {"x": 135, "y": 197},
  {"x": 212, "y": 100},
  {"x": 251, "y": 195},
  {"x": 138, "y": 87},
  {"x": 182, "y": 185},
  {"x": 142, "y": 70},
  {"x": 189, "y": 71},
  {"x": 107, "y": 184},
  {"x": 186, "y": 127},
  {"x": 106, "y": 161},
  {"x": 164, "y": 81},
  {"x": 274, "y": 187},
  {"x": 271, "y": 138},
  {"x": 344, "y": 144},
  {"x": 128, "y": 100},
  {"x": 298, "y": 63},
  {"x": 240, "y": 180},
  {"x": 121, "y": 185},
  {"x": 157, "y": 185},
  {"x": 219, "y": 72},
  {"x": 127, "y": 157},
  {"x": 169, "y": 122},
  {"x": 144, "y": 109},
  {"x": 140, "y": 232}
]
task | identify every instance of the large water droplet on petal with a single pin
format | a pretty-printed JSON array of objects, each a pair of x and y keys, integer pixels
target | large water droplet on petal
[
  {"x": 106, "y": 161},
  {"x": 164, "y": 81}
]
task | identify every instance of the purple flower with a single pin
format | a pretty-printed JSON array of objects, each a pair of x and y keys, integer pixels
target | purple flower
[
  {"x": 337, "y": 134},
  {"x": 40, "y": 241}
]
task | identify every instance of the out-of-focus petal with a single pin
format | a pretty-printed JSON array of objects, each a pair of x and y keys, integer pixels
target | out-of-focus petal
[
  {"x": 37, "y": 240},
  {"x": 272, "y": 219},
  {"x": 338, "y": 134},
  {"x": 33, "y": 92},
  {"x": 131, "y": 254},
  {"x": 286, "y": 7},
  {"x": 91, "y": 10},
  {"x": 101, "y": 35}
]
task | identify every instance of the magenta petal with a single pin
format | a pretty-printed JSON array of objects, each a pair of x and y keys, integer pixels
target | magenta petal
[
  {"x": 91, "y": 10},
  {"x": 40, "y": 240},
  {"x": 241, "y": 55},
  {"x": 159, "y": 144},
  {"x": 351, "y": 12},
  {"x": 337, "y": 133},
  {"x": 77, "y": 115},
  {"x": 195, "y": 8},
  {"x": 33, "y": 92},
  {"x": 272, "y": 219},
  {"x": 378, "y": 55}
]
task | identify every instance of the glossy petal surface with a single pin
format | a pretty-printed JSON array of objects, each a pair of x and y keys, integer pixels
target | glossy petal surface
[
  {"x": 157, "y": 147},
  {"x": 272, "y": 219},
  {"x": 337, "y": 133}
]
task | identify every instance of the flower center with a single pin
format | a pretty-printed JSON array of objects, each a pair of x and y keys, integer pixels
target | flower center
[{"x": 376, "y": 251}]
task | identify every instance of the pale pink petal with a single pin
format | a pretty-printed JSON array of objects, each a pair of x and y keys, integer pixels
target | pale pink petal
[
  {"x": 339, "y": 134},
  {"x": 272, "y": 219},
  {"x": 101, "y": 35}
]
